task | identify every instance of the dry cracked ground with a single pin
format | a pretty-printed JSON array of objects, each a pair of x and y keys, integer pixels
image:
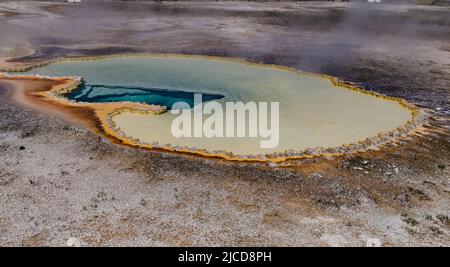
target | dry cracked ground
[{"x": 60, "y": 181}]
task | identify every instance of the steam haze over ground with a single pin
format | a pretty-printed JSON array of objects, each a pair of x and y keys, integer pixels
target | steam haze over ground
[
  {"x": 61, "y": 181},
  {"x": 312, "y": 36}
]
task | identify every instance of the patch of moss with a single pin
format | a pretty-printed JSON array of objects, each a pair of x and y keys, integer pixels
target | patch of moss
[
  {"x": 443, "y": 219},
  {"x": 419, "y": 194},
  {"x": 409, "y": 220},
  {"x": 436, "y": 231}
]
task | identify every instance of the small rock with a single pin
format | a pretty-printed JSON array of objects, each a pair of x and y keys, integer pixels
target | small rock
[
  {"x": 73, "y": 242},
  {"x": 21, "y": 148},
  {"x": 373, "y": 242},
  {"x": 315, "y": 176},
  {"x": 273, "y": 164}
]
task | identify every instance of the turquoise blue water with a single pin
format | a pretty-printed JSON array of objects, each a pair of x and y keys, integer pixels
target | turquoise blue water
[
  {"x": 312, "y": 111},
  {"x": 109, "y": 93}
]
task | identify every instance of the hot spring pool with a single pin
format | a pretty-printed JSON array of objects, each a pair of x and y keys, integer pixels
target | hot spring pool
[
  {"x": 91, "y": 93},
  {"x": 313, "y": 111}
]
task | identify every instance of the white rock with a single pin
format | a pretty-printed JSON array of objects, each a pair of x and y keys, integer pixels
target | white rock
[
  {"x": 73, "y": 242},
  {"x": 373, "y": 242},
  {"x": 273, "y": 164}
]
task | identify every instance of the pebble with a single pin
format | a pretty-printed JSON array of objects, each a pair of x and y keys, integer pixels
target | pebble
[
  {"x": 73, "y": 242},
  {"x": 373, "y": 242}
]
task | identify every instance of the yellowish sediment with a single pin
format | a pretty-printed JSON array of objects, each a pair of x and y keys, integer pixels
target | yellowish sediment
[
  {"x": 106, "y": 111},
  {"x": 14, "y": 50}
]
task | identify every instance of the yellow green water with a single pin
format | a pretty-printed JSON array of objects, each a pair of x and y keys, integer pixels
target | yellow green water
[{"x": 313, "y": 111}]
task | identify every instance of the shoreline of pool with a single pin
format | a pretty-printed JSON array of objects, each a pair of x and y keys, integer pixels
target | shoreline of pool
[{"x": 104, "y": 113}]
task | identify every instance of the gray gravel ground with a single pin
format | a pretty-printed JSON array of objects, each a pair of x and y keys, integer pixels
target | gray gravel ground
[{"x": 59, "y": 181}]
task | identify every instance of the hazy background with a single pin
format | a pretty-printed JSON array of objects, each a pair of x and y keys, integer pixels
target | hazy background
[{"x": 400, "y": 50}]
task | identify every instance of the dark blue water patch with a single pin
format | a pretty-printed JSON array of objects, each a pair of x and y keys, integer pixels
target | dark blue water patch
[{"x": 93, "y": 93}]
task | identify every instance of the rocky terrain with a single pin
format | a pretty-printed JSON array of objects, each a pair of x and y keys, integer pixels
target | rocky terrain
[{"x": 60, "y": 182}]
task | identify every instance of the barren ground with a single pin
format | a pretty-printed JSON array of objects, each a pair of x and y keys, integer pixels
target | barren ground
[{"x": 59, "y": 181}]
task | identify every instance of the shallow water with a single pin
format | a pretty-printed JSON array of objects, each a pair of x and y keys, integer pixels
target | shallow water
[
  {"x": 313, "y": 112},
  {"x": 156, "y": 96}
]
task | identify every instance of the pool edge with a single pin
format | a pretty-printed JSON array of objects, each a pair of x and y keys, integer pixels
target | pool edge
[{"x": 104, "y": 115}]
